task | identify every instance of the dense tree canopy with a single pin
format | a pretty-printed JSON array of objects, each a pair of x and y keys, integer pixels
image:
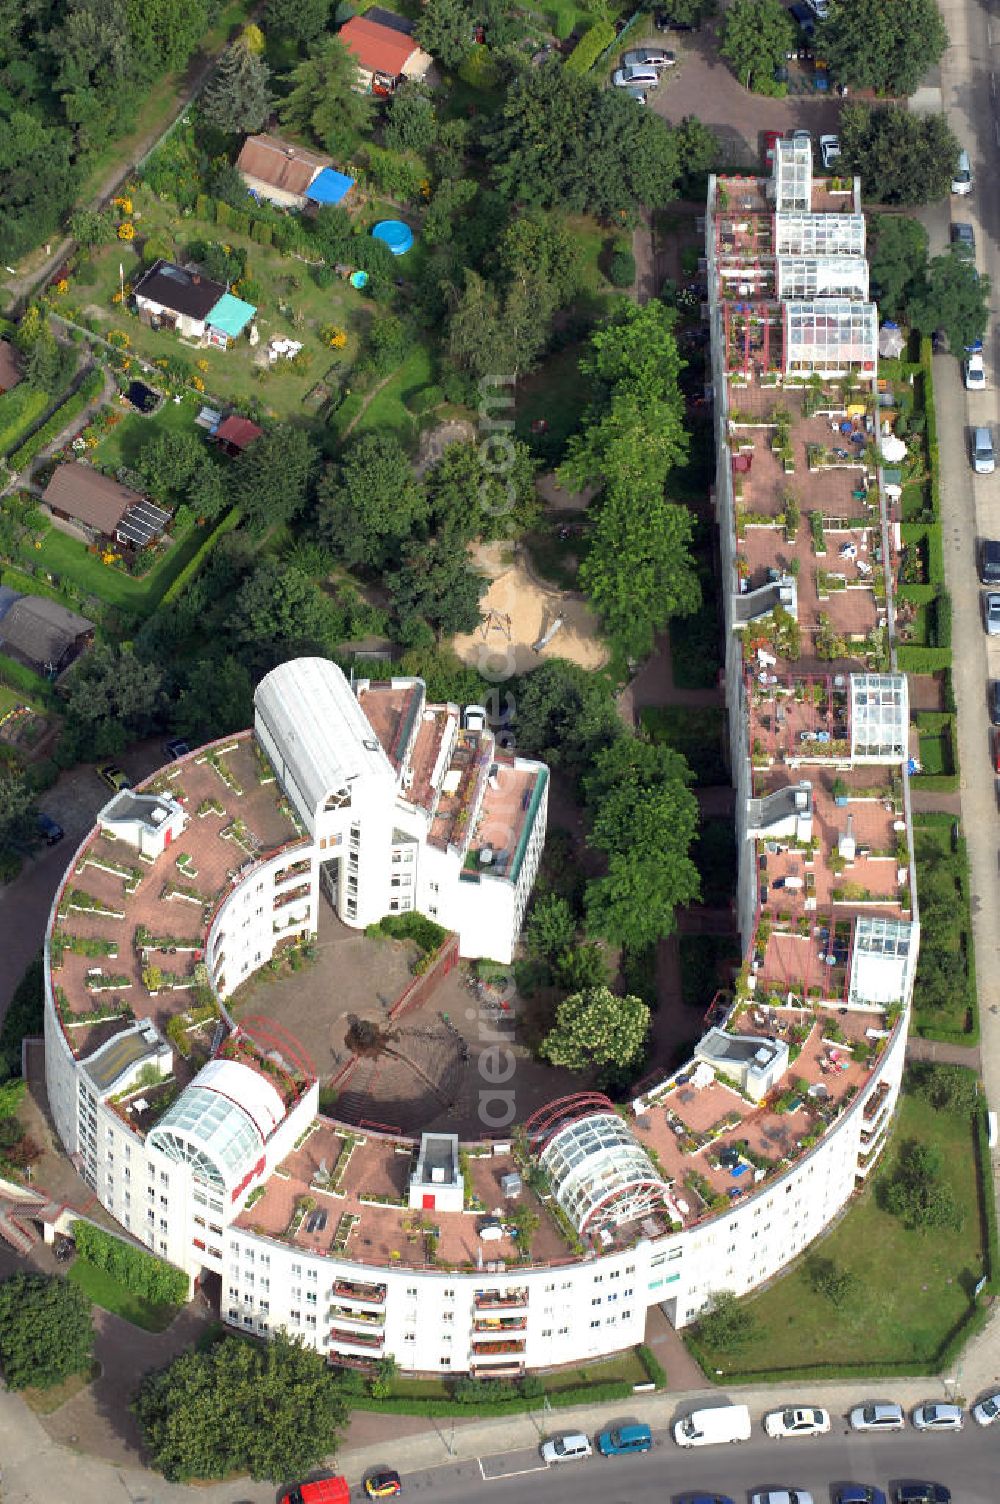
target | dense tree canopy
[
  {"x": 756, "y": 37},
  {"x": 901, "y": 158},
  {"x": 897, "y": 260},
  {"x": 436, "y": 590},
  {"x": 300, "y": 20},
  {"x": 885, "y": 45},
  {"x": 727, "y": 1325},
  {"x": 639, "y": 570},
  {"x": 18, "y": 810},
  {"x": 371, "y": 502},
  {"x": 559, "y": 140},
  {"x": 45, "y": 1331},
  {"x": 596, "y": 1028},
  {"x": 272, "y": 1411},
  {"x": 563, "y": 715},
  {"x": 271, "y": 480},
  {"x": 323, "y": 100},
  {"x": 644, "y": 818},
  {"x": 917, "y": 1191},
  {"x": 445, "y": 29},
  {"x": 114, "y": 696},
  {"x": 238, "y": 97},
  {"x": 954, "y": 298}
]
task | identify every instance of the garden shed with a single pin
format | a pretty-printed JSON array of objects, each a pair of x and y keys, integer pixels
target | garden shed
[
  {"x": 41, "y": 634},
  {"x": 275, "y": 170}
]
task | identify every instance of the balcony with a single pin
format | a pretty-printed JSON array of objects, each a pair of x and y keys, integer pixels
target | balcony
[
  {"x": 366, "y": 1318},
  {"x": 358, "y": 1341},
  {"x": 876, "y": 1102},
  {"x": 349, "y": 1289},
  {"x": 501, "y": 1324},
  {"x": 297, "y": 869},
  {"x": 504, "y": 1348},
  {"x": 500, "y": 1300},
  {"x": 281, "y": 900}
]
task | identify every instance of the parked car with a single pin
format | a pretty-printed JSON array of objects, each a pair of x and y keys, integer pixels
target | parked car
[
  {"x": 933, "y": 1416},
  {"x": 803, "y": 17},
  {"x": 991, "y": 621},
  {"x": 50, "y": 830},
  {"x": 805, "y": 1422},
  {"x": 639, "y": 95},
  {"x": 619, "y": 1441},
  {"x": 961, "y": 183},
  {"x": 771, "y": 139},
  {"x": 113, "y": 776},
  {"x": 782, "y": 1496},
  {"x": 975, "y": 373},
  {"x": 819, "y": 8},
  {"x": 885, "y": 1415},
  {"x": 176, "y": 749},
  {"x": 987, "y": 1410},
  {"x": 704, "y": 1499},
  {"x": 829, "y": 150},
  {"x": 922, "y": 1493},
  {"x": 995, "y": 701},
  {"x": 663, "y": 21},
  {"x": 383, "y": 1485},
  {"x": 858, "y": 1493},
  {"x": 983, "y": 456},
  {"x": 571, "y": 1447},
  {"x": 649, "y": 57},
  {"x": 963, "y": 237},
  {"x": 634, "y": 77},
  {"x": 802, "y": 135}
]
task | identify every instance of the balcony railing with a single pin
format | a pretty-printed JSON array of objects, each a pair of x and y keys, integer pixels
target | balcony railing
[
  {"x": 501, "y": 1324},
  {"x": 366, "y": 1318},
  {"x": 498, "y": 1349},
  {"x": 339, "y": 1337},
  {"x": 348, "y": 1289},
  {"x": 500, "y": 1300}
]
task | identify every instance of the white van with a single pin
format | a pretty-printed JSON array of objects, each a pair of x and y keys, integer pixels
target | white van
[
  {"x": 705, "y": 1428},
  {"x": 991, "y": 1129},
  {"x": 961, "y": 183}
]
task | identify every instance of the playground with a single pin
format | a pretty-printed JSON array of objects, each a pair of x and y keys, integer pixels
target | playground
[{"x": 524, "y": 621}]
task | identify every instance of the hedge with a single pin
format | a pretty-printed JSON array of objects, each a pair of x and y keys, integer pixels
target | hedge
[
  {"x": 140, "y": 1272},
  {"x": 89, "y": 388},
  {"x": 930, "y": 424},
  {"x": 198, "y": 558},
  {"x": 919, "y": 660},
  {"x": 588, "y": 49},
  {"x": 988, "y": 1202},
  {"x": 18, "y": 410},
  {"x": 935, "y": 721},
  {"x": 18, "y": 677},
  {"x": 939, "y": 631},
  {"x": 654, "y": 1368},
  {"x": 583, "y": 1394}
]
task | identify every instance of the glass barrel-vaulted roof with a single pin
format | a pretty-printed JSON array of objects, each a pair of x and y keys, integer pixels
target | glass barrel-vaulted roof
[
  {"x": 883, "y": 953},
  {"x": 212, "y": 1132},
  {"x": 880, "y": 716},
  {"x": 793, "y": 173},
  {"x": 835, "y": 276},
  {"x": 595, "y": 1165},
  {"x": 819, "y": 234}
]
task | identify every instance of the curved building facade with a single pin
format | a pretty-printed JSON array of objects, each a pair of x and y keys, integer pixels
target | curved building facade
[{"x": 204, "y": 1141}]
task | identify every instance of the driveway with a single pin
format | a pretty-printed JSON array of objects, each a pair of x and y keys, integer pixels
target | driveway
[{"x": 702, "y": 85}]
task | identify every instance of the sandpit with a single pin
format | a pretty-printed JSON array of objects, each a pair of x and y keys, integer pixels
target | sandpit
[{"x": 517, "y": 611}]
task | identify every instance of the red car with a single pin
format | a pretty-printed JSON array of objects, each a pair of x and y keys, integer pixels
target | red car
[
  {"x": 996, "y": 751},
  {"x": 771, "y": 139}
]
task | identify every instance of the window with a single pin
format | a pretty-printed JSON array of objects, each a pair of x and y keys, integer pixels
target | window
[
  {"x": 295, "y": 1315},
  {"x": 445, "y": 1362},
  {"x": 409, "y": 1336},
  {"x": 596, "y": 1300},
  {"x": 234, "y": 1293},
  {"x": 296, "y": 1268},
  {"x": 164, "y": 1225},
  {"x": 310, "y": 1274},
  {"x": 248, "y": 1321},
  {"x": 626, "y": 1315},
  {"x": 310, "y": 1321},
  {"x": 595, "y": 1323},
  {"x": 547, "y": 1332},
  {"x": 448, "y": 1316},
  {"x": 411, "y": 1290}
]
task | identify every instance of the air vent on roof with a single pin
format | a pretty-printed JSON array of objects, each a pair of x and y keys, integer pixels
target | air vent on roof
[{"x": 371, "y": 744}]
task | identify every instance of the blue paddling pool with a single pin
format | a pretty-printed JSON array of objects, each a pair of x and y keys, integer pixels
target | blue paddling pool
[{"x": 395, "y": 234}]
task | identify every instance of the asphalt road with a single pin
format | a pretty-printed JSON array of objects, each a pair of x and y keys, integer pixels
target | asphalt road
[{"x": 966, "y": 1462}]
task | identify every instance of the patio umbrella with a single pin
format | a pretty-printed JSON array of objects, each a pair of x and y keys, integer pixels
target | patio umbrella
[
  {"x": 893, "y": 449},
  {"x": 891, "y": 341}
]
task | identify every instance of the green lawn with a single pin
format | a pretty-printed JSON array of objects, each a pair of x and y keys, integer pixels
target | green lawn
[
  {"x": 935, "y": 754},
  {"x": 912, "y": 1289},
  {"x": 66, "y": 557},
  {"x": 557, "y": 395},
  {"x": 386, "y": 410},
  {"x": 123, "y": 444},
  {"x": 290, "y": 305},
  {"x": 106, "y": 1292}
]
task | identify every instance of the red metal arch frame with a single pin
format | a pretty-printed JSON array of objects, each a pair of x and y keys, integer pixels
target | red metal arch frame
[
  {"x": 548, "y": 1120},
  {"x": 641, "y": 1182},
  {"x": 268, "y": 1035}
]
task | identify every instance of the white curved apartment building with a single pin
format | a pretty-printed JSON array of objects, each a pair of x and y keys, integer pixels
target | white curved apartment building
[{"x": 203, "y": 1140}]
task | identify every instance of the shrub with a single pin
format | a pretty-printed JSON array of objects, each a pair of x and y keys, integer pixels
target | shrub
[
  {"x": 621, "y": 268},
  {"x": 588, "y": 49},
  {"x": 89, "y": 388},
  {"x": 262, "y": 233},
  {"x": 399, "y": 174},
  {"x": 478, "y": 69},
  {"x": 426, "y": 399}
]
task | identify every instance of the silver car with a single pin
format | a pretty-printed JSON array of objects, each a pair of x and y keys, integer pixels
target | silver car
[
  {"x": 987, "y": 1410},
  {"x": 937, "y": 1417},
  {"x": 649, "y": 57},
  {"x": 991, "y": 621},
  {"x": 884, "y": 1415}
]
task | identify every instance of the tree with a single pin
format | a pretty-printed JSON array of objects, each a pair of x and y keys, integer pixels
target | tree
[
  {"x": 436, "y": 585},
  {"x": 37, "y": 181},
  {"x": 324, "y": 101},
  {"x": 483, "y": 490},
  {"x": 142, "y": 1273},
  {"x": 217, "y": 698},
  {"x": 271, "y": 479},
  {"x": 885, "y": 45},
  {"x": 560, "y": 141},
  {"x": 756, "y": 37},
  {"x": 901, "y": 158},
  {"x": 411, "y": 121},
  {"x": 279, "y": 613},
  {"x": 838, "y": 1286},
  {"x": 18, "y": 813},
  {"x": 91, "y": 227},
  {"x": 169, "y": 460},
  {"x": 563, "y": 715},
  {"x": 639, "y": 570},
  {"x": 644, "y": 819},
  {"x": 916, "y": 1191},
  {"x": 272, "y": 1411},
  {"x": 371, "y": 503},
  {"x": 726, "y": 1326},
  {"x": 45, "y": 1331},
  {"x": 551, "y": 927},
  {"x": 301, "y": 20},
  {"x": 238, "y": 97},
  {"x": 164, "y": 33},
  {"x": 494, "y": 333},
  {"x": 445, "y": 29},
  {"x": 948, "y": 1088},
  {"x": 94, "y": 72},
  {"x": 897, "y": 261},
  {"x": 596, "y": 1028},
  {"x": 114, "y": 696},
  {"x": 954, "y": 298}
]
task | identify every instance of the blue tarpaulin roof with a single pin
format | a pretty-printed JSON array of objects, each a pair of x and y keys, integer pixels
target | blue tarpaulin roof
[
  {"x": 231, "y": 315},
  {"x": 329, "y": 186}
]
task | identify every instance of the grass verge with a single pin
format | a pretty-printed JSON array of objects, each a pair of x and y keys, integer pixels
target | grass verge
[
  {"x": 99, "y": 1287},
  {"x": 47, "y": 1401}
]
